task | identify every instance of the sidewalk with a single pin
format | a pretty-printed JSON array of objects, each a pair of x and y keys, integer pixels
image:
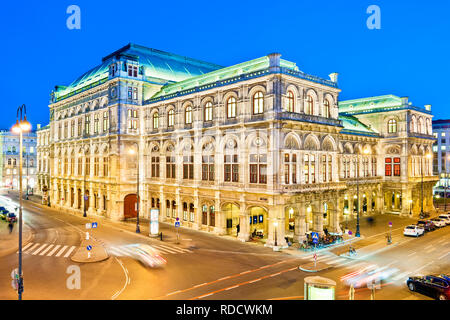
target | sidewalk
[{"x": 9, "y": 243}]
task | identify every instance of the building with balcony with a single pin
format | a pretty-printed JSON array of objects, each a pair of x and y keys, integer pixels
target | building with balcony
[
  {"x": 260, "y": 145},
  {"x": 441, "y": 150},
  {"x": 9, "y": 160}
]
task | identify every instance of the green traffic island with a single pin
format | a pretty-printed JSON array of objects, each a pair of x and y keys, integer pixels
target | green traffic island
[{"x": 96, "y": 253}]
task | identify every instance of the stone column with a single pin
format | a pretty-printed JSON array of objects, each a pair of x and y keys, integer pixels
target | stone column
[
  {"x": 163, "y": 205},
  {"x": 197, "y": 215},
  {"x": 244, "y": 224},
  {"x": 75, "y": 194},
  {"x": 300, "y": 225},
  {"x": 276, "y": 222},
  {"x": 179, "y": 205},
  {"x": 220, "y": 228},
  {"x": 91, "y": 200}
]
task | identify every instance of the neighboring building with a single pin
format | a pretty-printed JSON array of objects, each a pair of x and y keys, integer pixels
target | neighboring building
[
  {"x": 9, "y": 160},
  {"x": 441, "y": 149},
  {"x": 260, "y": 144}
]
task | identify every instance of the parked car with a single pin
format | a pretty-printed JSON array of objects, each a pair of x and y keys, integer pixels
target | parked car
[
  {"x": 438, "y": 222},
  {"x": 3, "y": 215},
  {"x": 433, "y": 286},
  {"x": 445, "y": 217},
  {"x": 413, "y": 230},
  {"x": 427, "y": 225},
  {"x": 445, "y": 276},
  {"x": 11, "y": 217}
]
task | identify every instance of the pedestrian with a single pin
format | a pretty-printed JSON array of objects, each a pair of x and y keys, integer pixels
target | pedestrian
[
  {"x": 10, "y": 227},
  {"x": 237, "y": 229}
]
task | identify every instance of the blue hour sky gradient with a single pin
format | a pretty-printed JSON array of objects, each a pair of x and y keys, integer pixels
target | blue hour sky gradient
[{"x": 409, "y": 56}]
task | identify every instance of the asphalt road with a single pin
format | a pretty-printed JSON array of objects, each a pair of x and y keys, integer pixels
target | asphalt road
[{"x": 202, "y": 266}]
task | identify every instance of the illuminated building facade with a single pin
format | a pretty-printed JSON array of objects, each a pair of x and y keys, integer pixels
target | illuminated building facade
[
  {"x": 9, "y": 160},
  {"x": 259, "y": 144},
  {"x": 441, "y": 150}
]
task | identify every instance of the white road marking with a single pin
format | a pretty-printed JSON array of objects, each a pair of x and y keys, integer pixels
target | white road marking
[
  {"x": 199, "y": 285},
  {"x": 164, "y": 249},
  {"x": 40, "y": 249},
  {"x": 33, "y": 247},
  {"x": 53, "y": 251},
  {"x": 61, "y": 251},
  {"x": 337, "y": 260},
  {"x": 413, "y": 253},
  {"x": 232, "y": 287},
  {"x": 69, "y": 251},
  {"x": 24, "y": 248},
  {"x": 46, "y": 250},
  {"x": 443, "y": 255},
  {"x": 424, "y": 266},
  {"x": 173, "y": 293},
  {"x": 256, "y": 280},
  {"x": 245, "y": 272},
  {"x": 174, "y": 248},
  {"x": 126, "y": 281}
]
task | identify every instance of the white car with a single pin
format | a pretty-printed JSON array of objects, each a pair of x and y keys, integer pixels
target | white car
[
  {"x": 439, "y": 222},
  {"x": 445, "y": 217},
  {"x": 413, "y": 230}
]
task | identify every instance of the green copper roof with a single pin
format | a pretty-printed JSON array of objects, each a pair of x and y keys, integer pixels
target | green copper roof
[
  {"x": 365, "y": 104},
  {"x": 157, "y": 64},
  {"x": 351, "y": 123},
  {"x": 221, "y": 74}
]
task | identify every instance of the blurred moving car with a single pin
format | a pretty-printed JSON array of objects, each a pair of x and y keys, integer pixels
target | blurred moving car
[
  {"x": 413, "y": 230},
  {"x": 432, "y": 286},
  {"x": 11, "y": 217},
  {"x": 445, "y": 217},
  {"x": 427, "y": 225},
  {"x": 145, "y": 254},
  {"x": 367, "y": 275},
  {"x": 438, "y": 222}
]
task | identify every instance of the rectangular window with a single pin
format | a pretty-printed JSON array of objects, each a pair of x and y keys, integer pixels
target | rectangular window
[
  {"x": 96, "y": 167},
  {"x": 135, "y": 93},
  {"x": 105, "y": 166},
  {"x": 87, "y": 168},
  {"x": 286, "y": 168},
  {"x": 397, "y": 167},
  {"x": 294, "y": 168},
  {"x": 170, "y": 167},
  {"x": 388, "y": 167},
  {"x": 374, "y": 167},
  {"x": 330, "y": 168},
  {"x": 130, "y": 93},
  {"x": 155, "y": 167},
  {"x": 96, "y": 123},
  {"x": 188, "y": 167},
  {"x": 306, "y": 168},
  {"x": 105, "y": 121},
  {"x": 313, "y": 169},
  {"x": 80, "y": 126},
  {"x": 324, "y": 168},
  {"x": 87, "y": 124},
  {"x": 253, "y": 173}
]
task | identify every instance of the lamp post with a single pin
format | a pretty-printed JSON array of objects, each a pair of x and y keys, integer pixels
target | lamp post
[
  {"x": 428, "y": 156},
  {"x": 21, "y": 126},
  {"x": 132, "y": 151},
  {"x": 275, "y": 224},
  {"x": 366, "y": 151}
]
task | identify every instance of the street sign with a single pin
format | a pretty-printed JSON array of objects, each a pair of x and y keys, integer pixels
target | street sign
[
  {"x": 349, "y": 233},
  {"x": 89, "y": 248},
  {"x": 94, "y": 225},
  {"x": 177, "y": 223},
  {"x": 88, "y": 226},
  {"x": 315, "y": 237}
]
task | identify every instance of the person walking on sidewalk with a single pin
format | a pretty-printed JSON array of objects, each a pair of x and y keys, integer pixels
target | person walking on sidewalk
[{"x": 10, "y": 226}]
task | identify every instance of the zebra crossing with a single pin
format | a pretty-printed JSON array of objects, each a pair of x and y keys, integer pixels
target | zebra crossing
[
  {"x": 159, "y": 248},
  {"x": 48, "y": 250},
  {"x": 336, "y": 261}
]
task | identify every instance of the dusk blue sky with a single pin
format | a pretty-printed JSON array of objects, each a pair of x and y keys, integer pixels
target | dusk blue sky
[{"x": 409, "y": 56}]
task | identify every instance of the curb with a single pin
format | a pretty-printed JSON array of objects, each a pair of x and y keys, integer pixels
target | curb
[{"x": 318, "y": 268}]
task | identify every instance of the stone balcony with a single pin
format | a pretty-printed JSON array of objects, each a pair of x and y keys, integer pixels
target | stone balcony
[
  {"x": 314, "y": 187},
  {"x": 308, "y": 118}
]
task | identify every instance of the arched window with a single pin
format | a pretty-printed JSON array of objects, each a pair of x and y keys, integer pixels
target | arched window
[
  {"x": 231, "y": 107},
  {"x": 188, "y": 115},
  {"x": 156, "y": 120},
  {"x": 208, "y": 111},
  {"x": 171, "y": 118},
  {"x": 291, "y": 102},
  {"x": 392, "y": 126},
  {"x": 326, "y": 109},
  {"x": 309, "y": 105},
  {"x": 258, "y": 103},
  {"x": 420, "y": 126}
]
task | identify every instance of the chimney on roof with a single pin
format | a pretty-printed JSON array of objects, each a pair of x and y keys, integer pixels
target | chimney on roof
[
  {"x": 38, "y": 126},
  {"x": 334, "y": 76},
  {"x": 404, "y": 101},
  {"x": 274, "y": 61}
]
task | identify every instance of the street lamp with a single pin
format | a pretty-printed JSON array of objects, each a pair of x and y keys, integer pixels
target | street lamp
[
  {"x": 366, "y": 151},
  {"x": 428, "y": 156},
  {"x": 21, "y": 126},
  {"x": 132, "y": 152}
]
